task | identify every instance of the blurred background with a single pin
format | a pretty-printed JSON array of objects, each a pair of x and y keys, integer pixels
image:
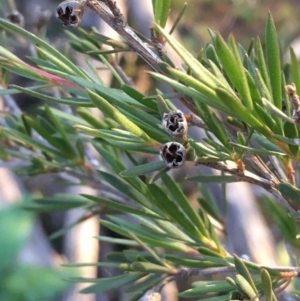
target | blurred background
[{"x": 250, "y": 230}]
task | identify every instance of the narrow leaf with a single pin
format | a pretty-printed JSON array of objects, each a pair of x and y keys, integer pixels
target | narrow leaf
[
  {"x": 104, "y": 284},
  {"x": 290, "y": 191},
  {"x": 143, "y": 169},
  {"x": 148, "y": 267},
  {"x": 245, "y": 286},
  {"x": 273, "y": 59},
  {"x": 266, "y": 284},
  {"x": 213, "y": 179},
  {"x": 113, "y": 113},
  {"x": 242, "y": 270},
  {"x": 233, "y": 66}
]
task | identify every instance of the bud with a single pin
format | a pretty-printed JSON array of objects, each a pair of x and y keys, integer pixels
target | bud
[
  {"x": 175, "y": 124},
  {"x": 173, "y": 153},
  {"x": 70, "y": 12}
]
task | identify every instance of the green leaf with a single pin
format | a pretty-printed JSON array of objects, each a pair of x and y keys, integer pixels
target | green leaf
[
  {"x": 94, "y": 264},
  {"x": 242, "y": 270},
  {"x": 167, "y": 205},
  {"x": 201, "y": 288},
  {"x": 266, "y": 284},
  {"x": 276, "y": 112},
  {"x": 295, "y": 70},
  {"x": 149, "y": 103},
  {"x": 148, "y": 267},
  {"x": 201, "y": 262},
  {"x": 58, "y": 143},
  {"x": 110, "y": 134},
  {"x": 118, "y": 241},
  {"x": 139, "y": 147},
  {"x": 161, "y": 11},
  {"x": 291, "y": 131},
  {"x": 143, "y": 169},
  {"x": 146, "y": 283},
  {"x": 213, "y": 179},
  {"x": 208, "y": 204},
  {"x": 290, "y": 191},
  {"x": 241, "y": 111},
  {"x": 81, "y": 149},
  {"x": 54, "y": 60},
  {"x": 134, "y": 188},
  {"x": 183, "y": 202},
  {"x": 214, "y": 124},
  {"x": 15, "y": 227},
  {"x": 265, "y": 143},
  {"x": 57, "y": 203},
  {"x": 209, "y": 252},
  {"x": 147, "y": 237},
  {"x": 260, "y": 151},
  {"x": 245, "y": 287},
  {"x": 67, "y": 141},
  {"x": 113, "y": 113},
  {"x": 32, "y": 142},
  {"x": 286, "y": 140},
  {"x": 233, "y": 66},
  {"x": 200, "y": 72},
  {"x": 208, "y": 94},
  {"x": 15, "y": 91},
  {"x": 122, "y": 208},
  {"x": 91, "y": 119},
  {"x": 19, "y": 67},
  {"x": 104, "y": 284},
  {"x": 78, "y": 102},
  {"x": 262, "y": 65},
  {"x": 24, "y": 33},
  {"x": 273, "y": 59}
]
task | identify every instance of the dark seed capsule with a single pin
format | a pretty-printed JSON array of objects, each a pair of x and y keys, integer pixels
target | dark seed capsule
[
  {"x": 70, "y": 12},
  {"x": 173, "y": 153}
]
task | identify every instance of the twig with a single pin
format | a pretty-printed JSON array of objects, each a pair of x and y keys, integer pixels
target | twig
[
  {"x": 195, "y": 120},
  {"x": 157, "y": 44},
  {"x": 277, "y": 168},
  {"x": 114, "y": 20},
  {"x": 250, "y": 177}
]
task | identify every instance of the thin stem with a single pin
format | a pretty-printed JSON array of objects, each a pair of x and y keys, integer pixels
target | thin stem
[
  {"x": 250, "y": 177},
  {"x": 118, "y": 24}
]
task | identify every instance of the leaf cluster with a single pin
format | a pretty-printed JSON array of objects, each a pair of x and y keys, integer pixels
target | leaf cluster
[{"x": 239, "y": 96}]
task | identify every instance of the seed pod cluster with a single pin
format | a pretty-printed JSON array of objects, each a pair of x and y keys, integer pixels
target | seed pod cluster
[{"x": 174, "y": 153}]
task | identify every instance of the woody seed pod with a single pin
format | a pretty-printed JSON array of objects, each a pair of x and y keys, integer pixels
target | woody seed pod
[
  {"x": 175, "y": 124},
  {"x": 173, "y": 153},
  {"x": 70, "y": 12},
  {"x": 16, "y": 18}
]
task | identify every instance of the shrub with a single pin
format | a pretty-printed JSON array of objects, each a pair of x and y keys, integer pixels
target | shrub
[{"x": 235, "y": 95}]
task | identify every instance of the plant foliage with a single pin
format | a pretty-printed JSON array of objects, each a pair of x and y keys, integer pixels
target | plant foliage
[{"x": 237, "y": 93}]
